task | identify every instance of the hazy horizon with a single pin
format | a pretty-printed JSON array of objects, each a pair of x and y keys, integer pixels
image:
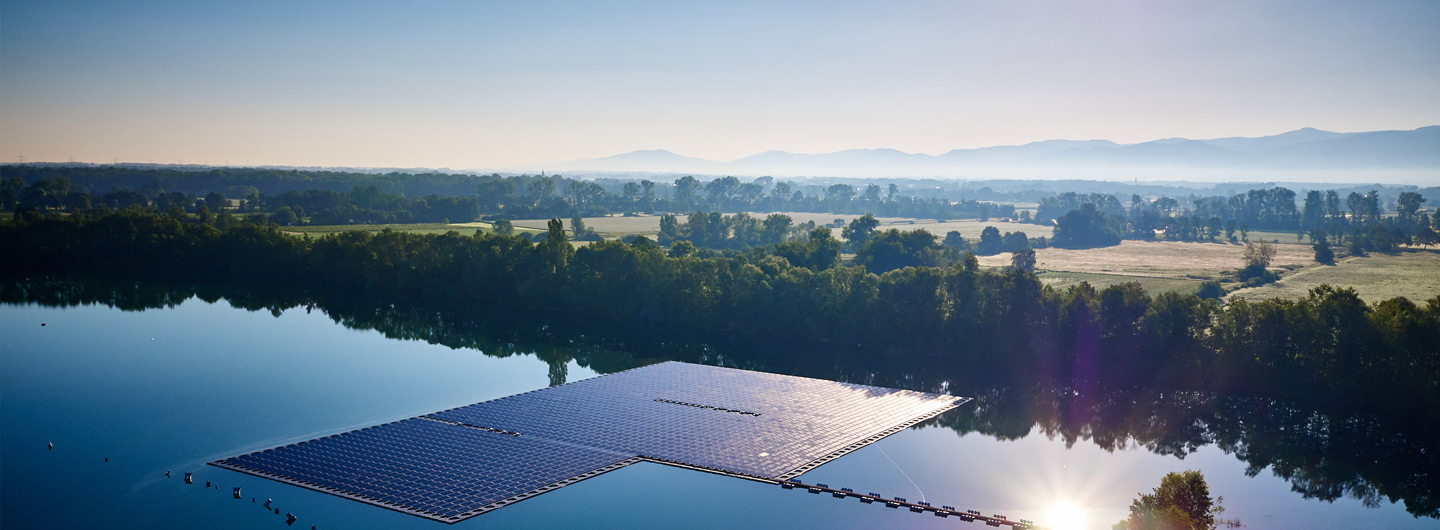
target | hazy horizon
[{"x": 475, "y": 86}]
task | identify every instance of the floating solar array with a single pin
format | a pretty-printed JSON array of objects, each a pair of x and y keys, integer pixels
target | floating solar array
[{"x": 454, "y": 464}]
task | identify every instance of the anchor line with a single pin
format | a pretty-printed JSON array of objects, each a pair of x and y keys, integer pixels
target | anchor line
[{"x": 902, "y": 472}]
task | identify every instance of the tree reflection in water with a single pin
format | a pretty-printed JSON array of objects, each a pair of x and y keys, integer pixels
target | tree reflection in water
[{"x": 1325, "y": 452}]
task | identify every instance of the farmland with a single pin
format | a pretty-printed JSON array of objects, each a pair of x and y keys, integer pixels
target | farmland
[
  {"x": 1414, "y": 274},
  {"x": 1158, "y": 265},
  {"x": 1156, "y": 259},
  {"x": 416, "y": 228},
  {"x": 1062, "y": 280}
]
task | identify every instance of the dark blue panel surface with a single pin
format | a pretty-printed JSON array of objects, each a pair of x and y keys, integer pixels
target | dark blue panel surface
[
  {"x": 799, "y": 419},
  {"x": 425, "y": 466},
  {"x": 456, "y": 463}
]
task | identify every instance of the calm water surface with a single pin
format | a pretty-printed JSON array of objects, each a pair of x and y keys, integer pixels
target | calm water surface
[{"x": 171, "y": 389}]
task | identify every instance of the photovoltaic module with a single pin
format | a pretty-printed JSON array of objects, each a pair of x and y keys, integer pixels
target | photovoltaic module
[{"x": 458, "y": 463}]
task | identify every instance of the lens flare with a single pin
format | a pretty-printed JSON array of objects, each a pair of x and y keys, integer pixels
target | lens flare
[{"x": 1064, "y": 515}]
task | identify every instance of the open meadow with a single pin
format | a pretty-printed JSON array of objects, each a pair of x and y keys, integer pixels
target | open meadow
[
  {"x": 615, "y": 226},
  {"x": 1414, "y": 274},
  {"x": 1158, "y": 265},
  {"x": 416, "y": 228},
  {"x": 1157, "y": 259},
  {"x": 1152, "y": 284}
]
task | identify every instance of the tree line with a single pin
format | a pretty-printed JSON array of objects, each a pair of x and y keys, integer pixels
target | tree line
[
  {"x": 317, "y": 197},
  {"x": 938, "y": 312},
  {"x": 1361, "y": 225}
]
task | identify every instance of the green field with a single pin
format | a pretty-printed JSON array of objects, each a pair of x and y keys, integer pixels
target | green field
[
  {"x": 1061, "y": 280},
  {"x": 421, "y": 228},
  {"x": 615, "y": 226},
  {"x": 1259, "y": 236},
  {"x": 1414, "y": 274},
  {"x": 417, "y": 228},
  {"x": 610, "y": 227}
]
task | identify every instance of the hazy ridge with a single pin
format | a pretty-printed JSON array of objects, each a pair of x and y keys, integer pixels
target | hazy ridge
[{"x": 1414, "y": 155}]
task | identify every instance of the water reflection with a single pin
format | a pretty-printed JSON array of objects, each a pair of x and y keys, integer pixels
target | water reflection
[
  {"x": 1065, "y": 515},
  {"x": 1325, "y": 453}
]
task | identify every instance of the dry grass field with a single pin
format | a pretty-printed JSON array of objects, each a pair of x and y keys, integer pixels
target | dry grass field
[
  {"x": 1414, "y": 274},
  {"x": 1156, "y": 259},
  {"x": 971, "y": 228}
]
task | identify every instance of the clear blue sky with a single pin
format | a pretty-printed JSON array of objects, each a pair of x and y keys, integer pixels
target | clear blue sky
[{"x": 495, "y": 84}]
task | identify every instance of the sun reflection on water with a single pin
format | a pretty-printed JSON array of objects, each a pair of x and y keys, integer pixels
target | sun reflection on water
[{"x": 1064, "y": 515}]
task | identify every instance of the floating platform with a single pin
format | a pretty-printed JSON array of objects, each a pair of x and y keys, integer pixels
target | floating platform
[{"x": 458, "y": 463}]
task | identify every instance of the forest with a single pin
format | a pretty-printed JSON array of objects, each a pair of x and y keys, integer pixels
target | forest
[
  {"x": 1330, "y": 348},
  {"x": 327, "y": 197},
  {"x": 1356, "y": 223}
]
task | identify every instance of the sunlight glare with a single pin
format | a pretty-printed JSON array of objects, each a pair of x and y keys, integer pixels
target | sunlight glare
[{"x": 1064, "y": 515}]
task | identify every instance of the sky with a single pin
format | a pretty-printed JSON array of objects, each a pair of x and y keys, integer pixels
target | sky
[{"x": 472, "y": 84}]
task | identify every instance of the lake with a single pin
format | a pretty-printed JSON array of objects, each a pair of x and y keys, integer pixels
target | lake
[{"x": 186, "y": 381}]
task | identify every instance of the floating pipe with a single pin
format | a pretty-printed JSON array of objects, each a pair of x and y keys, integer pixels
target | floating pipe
[{"x": 997, "y": 520}]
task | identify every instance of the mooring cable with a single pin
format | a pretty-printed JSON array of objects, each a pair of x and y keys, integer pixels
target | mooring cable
[{"x": 902, "y": 472}]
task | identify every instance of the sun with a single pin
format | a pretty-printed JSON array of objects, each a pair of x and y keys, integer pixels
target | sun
[{"x": 1064, "y": 515}]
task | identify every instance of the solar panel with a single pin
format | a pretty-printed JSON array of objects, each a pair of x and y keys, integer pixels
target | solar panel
[{"x": 458, "y": 463}]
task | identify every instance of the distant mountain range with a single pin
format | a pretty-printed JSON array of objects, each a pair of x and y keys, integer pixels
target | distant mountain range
[{"x": 1414, "y": 152}]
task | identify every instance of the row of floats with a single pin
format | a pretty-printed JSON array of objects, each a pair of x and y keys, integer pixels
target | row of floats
[{"x": 996, "y": 520}]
